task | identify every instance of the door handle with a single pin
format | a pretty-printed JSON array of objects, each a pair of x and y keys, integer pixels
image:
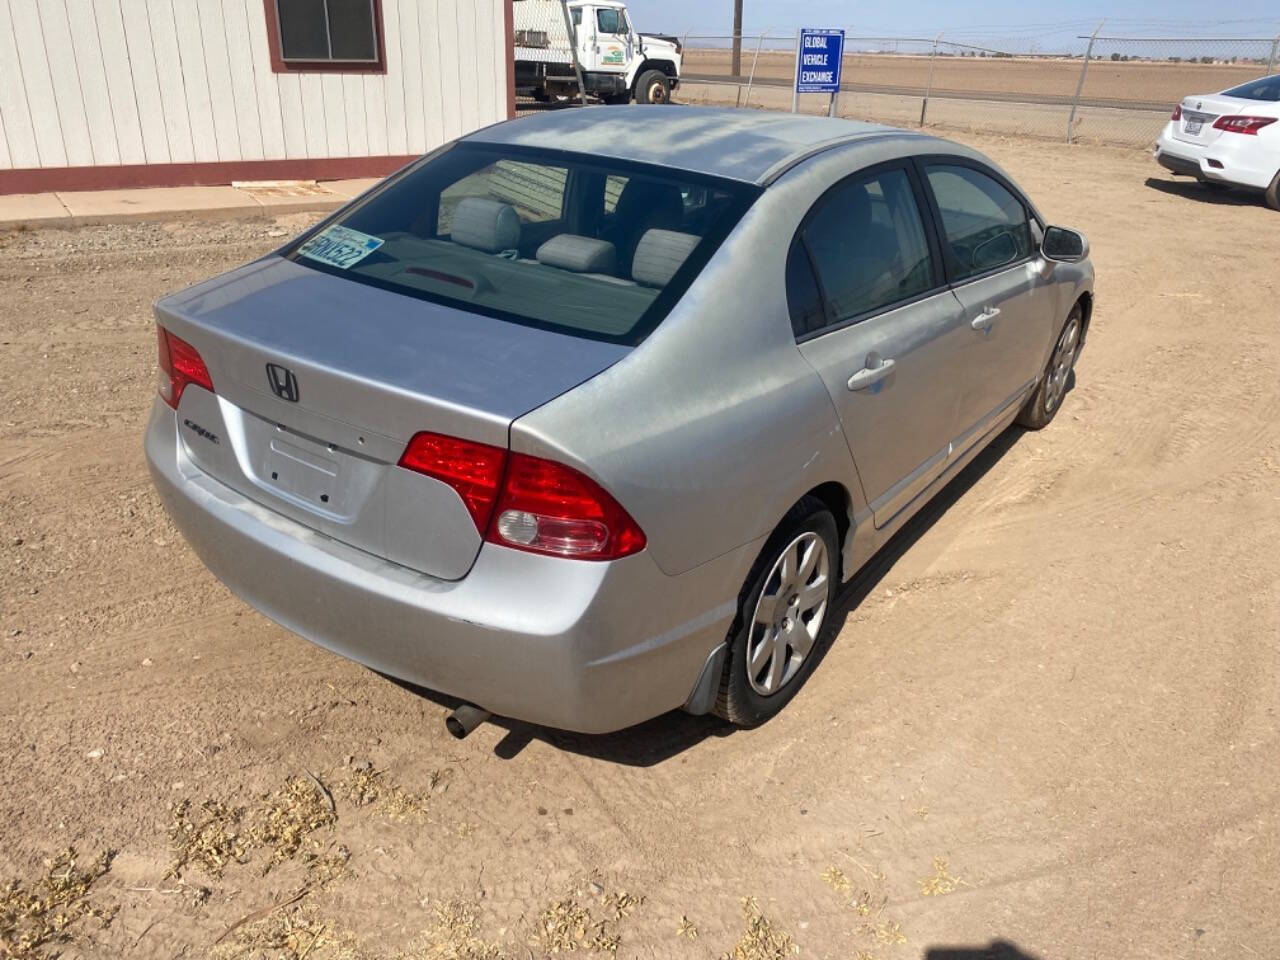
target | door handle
[
  {"x": 983, "y": 320},
  {"x": 875, "y": 371}
]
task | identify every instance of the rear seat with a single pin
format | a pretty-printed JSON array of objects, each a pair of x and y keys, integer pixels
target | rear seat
[
  {"x": 488, "y": 225},
  {"x": 572, "y": 251},
  {"x": 659, "y": 255}
]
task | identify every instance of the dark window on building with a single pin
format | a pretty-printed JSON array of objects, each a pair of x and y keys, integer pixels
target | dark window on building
[{"x": 327, "y": 31}]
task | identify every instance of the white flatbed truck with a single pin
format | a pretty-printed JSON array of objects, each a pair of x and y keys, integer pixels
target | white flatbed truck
[{"x": 618, "y": 64}]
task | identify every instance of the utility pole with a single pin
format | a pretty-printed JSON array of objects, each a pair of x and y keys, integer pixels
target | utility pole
[{"x": 735, "y": 67}]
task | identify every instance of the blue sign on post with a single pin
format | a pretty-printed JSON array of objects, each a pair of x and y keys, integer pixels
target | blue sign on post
[{"x": 818, "y": 61}]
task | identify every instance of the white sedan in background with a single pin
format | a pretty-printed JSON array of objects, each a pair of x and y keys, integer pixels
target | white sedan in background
[{"x": 1231, "y": 138}]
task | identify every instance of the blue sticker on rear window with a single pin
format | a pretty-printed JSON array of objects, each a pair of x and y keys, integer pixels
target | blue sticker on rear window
[{"x": 340, "y": 247}]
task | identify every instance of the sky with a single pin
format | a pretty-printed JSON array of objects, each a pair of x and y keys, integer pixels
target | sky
[{"x": 1020, "y": 21}]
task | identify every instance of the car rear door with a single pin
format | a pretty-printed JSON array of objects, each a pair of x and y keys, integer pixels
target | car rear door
[
  {"x": 873, "y": 316},
  {"x": 993, "y": 261}
]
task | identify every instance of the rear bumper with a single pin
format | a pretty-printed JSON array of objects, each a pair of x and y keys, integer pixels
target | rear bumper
[
  {"x": 592, "y": 647},
  {"x": 1232, "y": 158}
]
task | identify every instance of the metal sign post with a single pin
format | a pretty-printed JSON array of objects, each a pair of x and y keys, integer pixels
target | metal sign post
[
  {"x": 795, "y": 86},
  {"x": 819, "y": 55}
]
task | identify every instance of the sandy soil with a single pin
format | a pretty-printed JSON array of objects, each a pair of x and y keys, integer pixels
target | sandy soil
[
  {"x": 1125, "y": 81},
  {"x": 1051, "y": 717}
]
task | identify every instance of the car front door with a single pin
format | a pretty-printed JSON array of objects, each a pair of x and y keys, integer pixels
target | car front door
[
  {"x": 991, "y": 245},
  {"x": 873, "y": 316}
]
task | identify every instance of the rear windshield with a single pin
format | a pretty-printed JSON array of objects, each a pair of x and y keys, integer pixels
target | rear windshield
[
  {"x": 591, "y": 247},
  {"x": 1268, "y": 88}
]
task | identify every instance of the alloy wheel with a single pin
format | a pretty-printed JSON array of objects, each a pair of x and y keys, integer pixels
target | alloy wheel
[
  {"x": 789, "y": 614},
  {"x": 1064, "y": 356}
]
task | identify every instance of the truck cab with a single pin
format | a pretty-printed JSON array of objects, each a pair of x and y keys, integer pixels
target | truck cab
[{"x": 618, "y": 63}]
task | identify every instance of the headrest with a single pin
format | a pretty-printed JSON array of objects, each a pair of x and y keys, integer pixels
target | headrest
[
  {"x": 486, "y": 225},
  {"x": 659, "y": 255},
  {"x": 569, "y": 251}
]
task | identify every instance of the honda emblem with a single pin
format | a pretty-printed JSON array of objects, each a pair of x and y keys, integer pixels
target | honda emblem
[{"x": 283, "y": 383}]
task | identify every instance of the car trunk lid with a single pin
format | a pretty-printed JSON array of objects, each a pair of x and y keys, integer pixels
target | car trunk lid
[
  {"x": 321, "y": 382},
  {"x": 1199, "y": 114}
]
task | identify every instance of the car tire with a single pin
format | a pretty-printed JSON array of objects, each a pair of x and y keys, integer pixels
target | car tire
[
  {"x": 1043, "y": 405},
  {"x": 653, "y": 87},
  {"x": 1272, "y": 194},
  {"x": 748, "y": 697}
]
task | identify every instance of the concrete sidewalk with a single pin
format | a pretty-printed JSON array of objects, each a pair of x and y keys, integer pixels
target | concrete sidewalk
[{"x": 162, "y": 203}]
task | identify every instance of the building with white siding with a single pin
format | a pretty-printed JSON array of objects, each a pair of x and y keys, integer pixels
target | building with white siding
[{"x": 118, "y": 93}]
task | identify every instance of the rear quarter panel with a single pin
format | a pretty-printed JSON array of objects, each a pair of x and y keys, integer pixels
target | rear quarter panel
[
  {"x": 712, "y": 428},
  {"x": 709, "y": 430}
]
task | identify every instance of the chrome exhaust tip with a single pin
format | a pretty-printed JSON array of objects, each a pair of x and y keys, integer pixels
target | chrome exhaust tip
[{"x": 464, "y": 719}]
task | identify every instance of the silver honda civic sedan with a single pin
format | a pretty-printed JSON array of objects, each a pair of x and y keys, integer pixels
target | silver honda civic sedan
[{"x": 587, "y": 415}]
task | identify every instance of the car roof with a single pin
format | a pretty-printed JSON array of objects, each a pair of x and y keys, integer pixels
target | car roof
[{"x": 749, "y": 145}]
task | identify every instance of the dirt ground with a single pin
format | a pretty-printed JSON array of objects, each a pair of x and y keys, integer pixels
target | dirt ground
[
  {"x": 1050, "y": 719},
  {"x": 1106, "y": 80}
]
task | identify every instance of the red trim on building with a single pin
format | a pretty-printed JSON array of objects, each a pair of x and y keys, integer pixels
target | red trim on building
[
  {"x": 48, "y": 179},
  {"x": 509, "y": 25},
  {"x": 278, "y": 65}
]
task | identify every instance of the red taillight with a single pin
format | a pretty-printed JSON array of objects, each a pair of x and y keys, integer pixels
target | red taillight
[
  {"x": 547, "y": 507},
  {"x": 473, "y": 469},
  {"x": 525, "y": 502},
  {"x": 1177, "y": 112},
  {"x": 1249, "y": 125},
  {"x": 181, "y": 364}
]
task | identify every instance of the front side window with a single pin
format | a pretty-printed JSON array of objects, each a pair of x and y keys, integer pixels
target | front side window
[
  {"x": 986, "y": 226},
  {"x": 1268, "y": 89},
  {"x": 337, "y": 31},
  {"x": 868, "y": 245},
  {"x": 611, "y": 21},
  {"x": 586, "y": 246}
]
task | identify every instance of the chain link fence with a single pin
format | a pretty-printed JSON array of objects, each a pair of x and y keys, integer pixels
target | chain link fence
[
  {"x": 1105, "y": 89},
  {"x": 544, "y": 44}
]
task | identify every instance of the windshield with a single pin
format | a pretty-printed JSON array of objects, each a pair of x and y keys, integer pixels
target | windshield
[
  {"x": 586, "y": 246},
  {"x": 1268, "y": 88}
]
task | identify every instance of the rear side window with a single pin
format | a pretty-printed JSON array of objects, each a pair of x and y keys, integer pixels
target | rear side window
[
  {"x": 1268, "y": 89},
  {"x": 986, "y": 226},
  {"x": 803, "y": 297},
  {"x": 868, "y": 245},
  {"x": 580, "y": 244}
]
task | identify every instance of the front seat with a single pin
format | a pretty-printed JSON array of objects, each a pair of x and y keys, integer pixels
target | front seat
[{"x": 643, "y": 205}]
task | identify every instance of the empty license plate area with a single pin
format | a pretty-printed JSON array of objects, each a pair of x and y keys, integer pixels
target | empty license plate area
[
  {"x": 318, "y": 477},
  {"x": 305, "y": 475}
]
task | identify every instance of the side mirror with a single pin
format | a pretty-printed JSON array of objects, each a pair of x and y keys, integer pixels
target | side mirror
[{"x": 1063, "y": 245}]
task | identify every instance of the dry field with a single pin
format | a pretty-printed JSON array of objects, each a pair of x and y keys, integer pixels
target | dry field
[
  {"x": 1052, "y": 716},
  {"x": 1050, "y": 78}
]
